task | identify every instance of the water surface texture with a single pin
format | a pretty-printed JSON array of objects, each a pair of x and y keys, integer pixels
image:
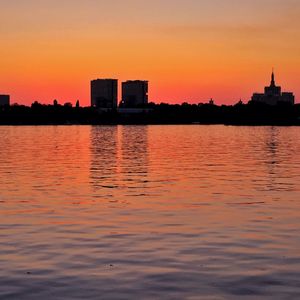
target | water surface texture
[{"x": 149, "y": 212}]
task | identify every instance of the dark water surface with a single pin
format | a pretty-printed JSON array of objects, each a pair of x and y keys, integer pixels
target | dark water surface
[{"x": 150, "y": 212}]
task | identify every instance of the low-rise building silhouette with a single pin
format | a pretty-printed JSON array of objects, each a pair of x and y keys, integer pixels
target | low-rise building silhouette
[
  {"x": 134, "y": 93},
  {"x": 4, "y": 100},
  {"x": 104, "y": 93},
  {"x": 273, "y": 95}
]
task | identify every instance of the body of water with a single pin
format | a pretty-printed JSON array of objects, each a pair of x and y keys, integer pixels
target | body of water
[{"x": 149, "y": 212}]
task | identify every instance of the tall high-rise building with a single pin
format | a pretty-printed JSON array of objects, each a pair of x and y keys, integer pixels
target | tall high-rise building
[
  {"x": 134, "y": 93},
  {"x": 273, "y": 95},
  {"x": 104, "y": 93},
  {"x": 4, "y": 100}
]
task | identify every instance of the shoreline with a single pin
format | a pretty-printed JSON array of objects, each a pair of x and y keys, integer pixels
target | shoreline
[
  {"x": 153, "y": 124},
  {"x": 252, "y": 114}
]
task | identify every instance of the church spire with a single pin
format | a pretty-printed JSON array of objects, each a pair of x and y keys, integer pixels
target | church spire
[{"x": 273, "y": 78}]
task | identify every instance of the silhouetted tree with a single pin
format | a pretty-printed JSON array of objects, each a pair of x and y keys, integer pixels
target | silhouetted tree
[{"x": 36, "y": 104}]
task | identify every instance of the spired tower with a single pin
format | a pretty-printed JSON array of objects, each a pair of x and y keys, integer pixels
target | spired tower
[
  {"x": 273, "y": 79},
  {"x": 273, "y": 90},
  {"x": 273, "y": 94}
]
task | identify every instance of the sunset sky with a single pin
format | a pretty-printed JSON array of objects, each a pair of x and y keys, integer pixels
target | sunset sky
[{"x": 189, "y": 50}]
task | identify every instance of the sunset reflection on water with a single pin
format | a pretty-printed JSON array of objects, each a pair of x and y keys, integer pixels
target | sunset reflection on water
[{"x": 165, "y": 212}]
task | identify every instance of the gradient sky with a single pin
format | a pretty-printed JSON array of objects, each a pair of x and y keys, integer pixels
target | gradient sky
[{"x": 189, "y": 50}]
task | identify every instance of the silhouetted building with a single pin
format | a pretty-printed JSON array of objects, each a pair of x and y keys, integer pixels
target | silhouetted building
[
  {"x": 4, "y": 100},
  {"x": 104, "y": 93},
  {"x": 134, "y": 93},
  {"x": 273, "y": 95}
]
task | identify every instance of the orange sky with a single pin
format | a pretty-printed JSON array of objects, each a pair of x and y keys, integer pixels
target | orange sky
[{"x": 189, "y": 50}]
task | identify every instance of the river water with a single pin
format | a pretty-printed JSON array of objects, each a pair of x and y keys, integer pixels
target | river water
[{"x": 149, "y": 212}]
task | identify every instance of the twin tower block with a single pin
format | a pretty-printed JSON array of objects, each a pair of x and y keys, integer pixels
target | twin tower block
[{"x": 104, "y": 93}]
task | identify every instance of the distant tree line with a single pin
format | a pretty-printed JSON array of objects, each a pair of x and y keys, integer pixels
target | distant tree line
[{"x": 239, "y": 114}]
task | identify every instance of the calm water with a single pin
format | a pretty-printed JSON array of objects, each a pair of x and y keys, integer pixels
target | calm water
[{"x": 150, "y": 212}]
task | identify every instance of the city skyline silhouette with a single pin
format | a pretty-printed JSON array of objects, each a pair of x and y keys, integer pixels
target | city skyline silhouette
[{"x": 109, "y": 93}]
